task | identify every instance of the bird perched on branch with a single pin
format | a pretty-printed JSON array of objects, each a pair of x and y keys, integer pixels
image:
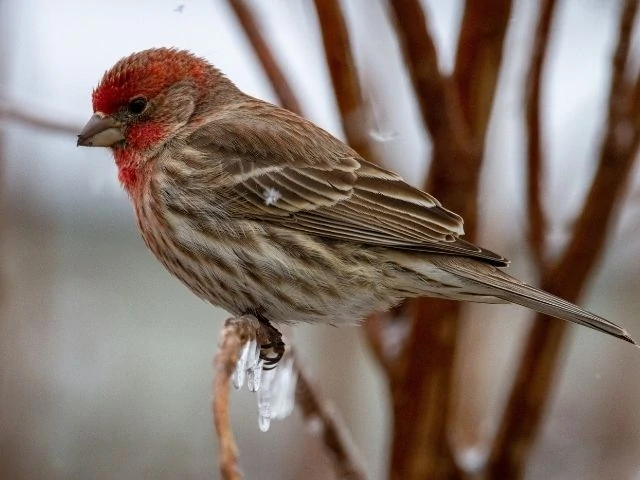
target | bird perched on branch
[{"x": 261, "y": 212}]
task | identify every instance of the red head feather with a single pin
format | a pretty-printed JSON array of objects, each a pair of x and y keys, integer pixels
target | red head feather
[{"x": 147, "y": 73}]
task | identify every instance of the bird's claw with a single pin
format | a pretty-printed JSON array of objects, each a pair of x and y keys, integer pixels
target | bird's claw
[{"x": 273, "y": 351}]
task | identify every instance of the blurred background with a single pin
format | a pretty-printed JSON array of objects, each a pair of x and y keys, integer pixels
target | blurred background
[{"x": 105, "y": 359}]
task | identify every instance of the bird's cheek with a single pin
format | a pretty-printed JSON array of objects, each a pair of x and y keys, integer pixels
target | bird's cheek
[{"x": 145, "y": 135}]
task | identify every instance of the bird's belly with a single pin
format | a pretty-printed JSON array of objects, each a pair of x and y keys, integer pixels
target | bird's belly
[{"x": 284, "y": 276}]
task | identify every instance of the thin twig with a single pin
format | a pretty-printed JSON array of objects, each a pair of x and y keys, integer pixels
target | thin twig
[
  {"x": 535, "y": 155},
  {"x": 277, "y": 78},
  {"x": 344, "y": 76},
  {"x": 527, "y": 400},
  {"x": 9, "y": 113},
  {"x": 236, "y": 332},
  {"x": 324, "y": 421}
]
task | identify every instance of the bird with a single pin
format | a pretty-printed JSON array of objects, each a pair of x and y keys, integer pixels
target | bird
[{"x": 261, "y": 212}]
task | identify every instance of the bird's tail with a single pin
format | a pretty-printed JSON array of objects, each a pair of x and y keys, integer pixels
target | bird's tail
[{"x": 505, "y": 287}]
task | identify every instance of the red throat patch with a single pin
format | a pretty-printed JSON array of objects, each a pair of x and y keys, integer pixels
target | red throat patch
[{"x": 129, "y": 169}]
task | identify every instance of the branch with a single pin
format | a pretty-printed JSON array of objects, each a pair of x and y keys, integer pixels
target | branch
[
  {"x": 533, "y": 87},
  {"x": 10, "y": 113},
  {"x": 433, "y": 90},
  {"x": 325, "y": 422},
  {"x": 236, "y": 332},
  {"x": 535, "y": 376},
  {"x": 278, "y": 81},
  {"x": 423, "y": 384},
  {"x": 420, "y": 384},
  {"x": 478, "y": 60},
  {"x": 477, "y": 68},
  {"x": 344, "y": 77}
]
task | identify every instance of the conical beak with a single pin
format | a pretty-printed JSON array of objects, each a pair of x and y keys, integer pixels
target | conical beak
[{"x": 100, "y": 131}]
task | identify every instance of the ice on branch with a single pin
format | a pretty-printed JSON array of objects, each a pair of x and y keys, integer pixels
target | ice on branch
[
  {"x": 245, "y": 362},
  {"x": 275, "y": 388},
  {"x": 276, "y": 397}
]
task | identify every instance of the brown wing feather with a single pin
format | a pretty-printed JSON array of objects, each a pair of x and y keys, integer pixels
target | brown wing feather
[{"x": 291, "y": 173}]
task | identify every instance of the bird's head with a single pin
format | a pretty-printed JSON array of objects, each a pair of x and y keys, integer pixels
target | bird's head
[{"x": 145, "y": 98}]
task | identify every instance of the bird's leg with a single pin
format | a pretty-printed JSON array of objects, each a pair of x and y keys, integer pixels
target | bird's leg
[{"x": 273, "y": 350}]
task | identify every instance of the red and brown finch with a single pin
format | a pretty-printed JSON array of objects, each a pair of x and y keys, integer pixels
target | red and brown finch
[{"x": 261, "y": 212}]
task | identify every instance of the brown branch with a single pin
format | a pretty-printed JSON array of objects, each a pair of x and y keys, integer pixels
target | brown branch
[
  {"x": 433, "y": 90},
  {"x": 324, "y": 421},
  {"x": 420, "y": 384},
  {"x": 344, "y": 76},
  {"x": 477, "y": 67},
  {"x": 236, "y": 332},
  {"x": 12, "y": 114},
  {"x": 278, "y": 80},
  {"x": 478, "y": 60},
  {"x": 535, "y": 376},
  {"x": 535, "y": 154},
  {"x": 422, "y": 390}
]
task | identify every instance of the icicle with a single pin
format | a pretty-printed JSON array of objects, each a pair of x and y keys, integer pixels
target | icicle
[
  {"x": 276, "y": 396},
  {"x": 241, "y": 367},
  {"x": 264, "y": 399},
  {"x": 254, "y": 377},
  {"x": 254, "y": 367},
  {"x": 264, "y": 422},
  {"x": 283, "y": 389},
  {"x": 249, "y": 366}
]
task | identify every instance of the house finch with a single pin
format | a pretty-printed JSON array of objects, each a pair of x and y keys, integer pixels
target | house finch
[{"x": 261, "y": 212}]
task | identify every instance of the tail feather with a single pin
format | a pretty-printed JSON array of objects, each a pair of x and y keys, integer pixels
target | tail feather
[{"x": 507, "y": 288}]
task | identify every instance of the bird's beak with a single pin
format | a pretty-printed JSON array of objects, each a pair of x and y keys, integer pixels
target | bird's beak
[{"x": 100, "y": 131}]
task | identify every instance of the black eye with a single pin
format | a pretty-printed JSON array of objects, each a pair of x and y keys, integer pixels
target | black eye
[{"x": 137, "y": 105}]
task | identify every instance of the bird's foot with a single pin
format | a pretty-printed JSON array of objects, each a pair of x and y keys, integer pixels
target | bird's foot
[{"x": 272, "y": 351}]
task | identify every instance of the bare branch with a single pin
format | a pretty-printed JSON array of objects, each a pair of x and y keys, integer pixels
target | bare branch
[
  {"x": 421, "y": 385},
  {"x": 535, "y": 154},
  {"x": 535, "y": 376},
  {"x": 432, "y": 88},
  {"x": 236, "y": 332},
  {"x": 344, "y": 77},
  {"x": 278, "y": 80},
  {"x": 10, "y": 113},
  {"x": 324, "y": 421},
  {"x": 478, "y": 60},
  {"x": 478, "y": 63}
]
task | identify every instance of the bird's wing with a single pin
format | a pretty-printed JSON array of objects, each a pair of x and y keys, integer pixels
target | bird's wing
[{"x": 300, "y": 177}]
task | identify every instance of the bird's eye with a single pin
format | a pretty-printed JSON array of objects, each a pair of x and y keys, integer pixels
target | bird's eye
[{"x": 137, "y": 105}]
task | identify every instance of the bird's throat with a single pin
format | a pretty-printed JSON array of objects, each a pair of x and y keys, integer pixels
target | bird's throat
[{"x": 129, "y": 164}]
